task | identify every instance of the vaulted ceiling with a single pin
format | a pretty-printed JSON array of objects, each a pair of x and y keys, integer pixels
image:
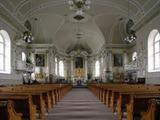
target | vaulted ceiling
[{"x": 53, "y": 23}]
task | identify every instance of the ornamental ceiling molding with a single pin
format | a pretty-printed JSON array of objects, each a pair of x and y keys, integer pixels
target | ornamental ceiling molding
[
  {"x": 45, "y": 5},
  {"x": 40, "y": 45},
  {"x": 58, "y": 2},
  {"x": 117, "y": 46},
  {"x": 21, "y": 4},
  {"x": 120, "y": 26},
  {"x": 147, "y": 16},
  {"x": 55, "y": 3},
  {"x": 47, "y": 47},
  {"x": 11, "y": 19},
  {"x": 133, "y": 2},
  {"x": 110, "y": 37}
]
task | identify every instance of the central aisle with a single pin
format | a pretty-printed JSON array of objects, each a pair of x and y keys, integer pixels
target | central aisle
[{"x": 80, "y": 104}]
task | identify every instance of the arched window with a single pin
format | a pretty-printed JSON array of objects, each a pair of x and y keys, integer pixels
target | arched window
[
  {"x": 97, "y": 68},
  {"x": 5, "y": 59},
  {"x": 56, "y": 66},
  {"x": 154, "y": 51},
  {"x": 134, "y": 56},
  {"x": 23, "y": 56},
  {"x": 61, "y": 68}
]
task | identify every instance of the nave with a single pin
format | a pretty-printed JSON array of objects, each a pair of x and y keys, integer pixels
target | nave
[{"x": 80, "y": 104}]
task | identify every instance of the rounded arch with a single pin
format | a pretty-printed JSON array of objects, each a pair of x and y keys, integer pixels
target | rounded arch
[
  {"x": 23, "y": 56},
  {"x": 5, "y": 54},
  {"x": 61, "y": 68},
  {"x": 154, "y": 51},
  {"x": 56, "y": 66},
  {"x": 152, "y": 35},
  {"x": 134, "y": 56},
  {"x": 97, "y": 68}
]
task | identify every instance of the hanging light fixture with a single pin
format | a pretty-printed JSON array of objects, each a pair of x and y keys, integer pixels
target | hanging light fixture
[
  {"x": 27, "y": 36},
  {"x": 131, "y": 34},
  {"x": 79, "y": 5}
]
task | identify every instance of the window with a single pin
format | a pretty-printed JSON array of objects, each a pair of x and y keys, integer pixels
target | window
[
  {"x": 23, "y": 56},
  {"x": 56, "y": 66},
  {"x": 97, "y": 68},
  {"x": 5, "y": 61},
  {"x": 134, "y": 56},
  {"x": 61, "y": 68},
  {"x": 154, "y": 51}
]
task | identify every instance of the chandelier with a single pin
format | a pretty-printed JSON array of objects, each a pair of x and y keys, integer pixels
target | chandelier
[
  {"x": 79, "y": 6},
  {"x": 131, "y": 34},
  {"x": 130, "y": 38},
  {"x": 27, "y": 36}
]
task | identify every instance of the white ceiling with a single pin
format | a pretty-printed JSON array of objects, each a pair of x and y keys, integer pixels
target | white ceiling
[{"x": 54, "y": 24}]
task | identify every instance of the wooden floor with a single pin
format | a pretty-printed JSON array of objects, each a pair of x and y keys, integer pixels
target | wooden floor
[{"x": 80, "y": 104}]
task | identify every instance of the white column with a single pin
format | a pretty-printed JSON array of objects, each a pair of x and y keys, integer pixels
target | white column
[
  {"x": 58, "y": 66},
  {"x": 72, "y": 69},
  {"x": 86, "y": 68},
  {"x": 101, "y": 66},
  {"x": 53, "y": 64},
  {"x": 110, "y": 61},
  {"x": 125, "y": 60},
  {"x": 93, "y": 69},
  {"x": 110, "y": 65}
]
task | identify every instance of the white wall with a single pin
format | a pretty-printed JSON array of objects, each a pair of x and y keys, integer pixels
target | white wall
[
  {"x": 15, "y": 77},
  {"x": 142, "y": 47}
]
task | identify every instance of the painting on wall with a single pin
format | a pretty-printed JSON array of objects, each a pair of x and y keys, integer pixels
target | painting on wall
[
  {"x": 118, "y": 60},
  {"x": 40, "y": 60},
  {"x": 79, "y": 62}
]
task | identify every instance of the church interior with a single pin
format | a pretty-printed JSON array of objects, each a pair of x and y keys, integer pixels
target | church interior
[{"x": 79, "y": 59}]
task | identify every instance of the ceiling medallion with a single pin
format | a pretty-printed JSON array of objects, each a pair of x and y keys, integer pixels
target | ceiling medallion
[{"x": 79, "y": 6}]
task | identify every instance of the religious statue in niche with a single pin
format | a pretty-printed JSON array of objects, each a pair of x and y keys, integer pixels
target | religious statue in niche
[
  {"x": 40, "y": 60},
  {"x": 118, "y": 60}
]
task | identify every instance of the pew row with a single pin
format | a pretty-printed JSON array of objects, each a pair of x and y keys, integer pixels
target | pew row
[
  {"x": 7, "y": 111},
  {"x": 42, "y": 97},
  {"x": 126, "y": 98}
]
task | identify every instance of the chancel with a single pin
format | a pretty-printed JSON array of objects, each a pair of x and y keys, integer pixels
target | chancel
[{"x": 79, "y": 60}]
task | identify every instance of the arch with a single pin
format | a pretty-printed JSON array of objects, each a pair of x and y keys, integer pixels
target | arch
[
  {"x": 56, "y": 66},
  {"x": 23, "y": 56},
  {"x": 5, "y": 52},
  {"x": 134, "y": 56},
  {"x": 97, "y": 68},
  {"x": 154, "y": 51},
  {"x": 61, "y": 68},
  {"x": 34, "y": 9}
]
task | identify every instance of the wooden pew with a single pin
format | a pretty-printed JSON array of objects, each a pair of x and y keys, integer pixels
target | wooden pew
[
  {"x": 153, "y": 110},
  {"x": 22, "y": 104},
  {"x": 7, "y": 111},
  {"x": 42, "y": 94},
  {"x": 50, "y": 95},
  {"x": 139, "y": 104},
  {"x": 124, "y": 94},
  {"x": 37, "y": 100}
]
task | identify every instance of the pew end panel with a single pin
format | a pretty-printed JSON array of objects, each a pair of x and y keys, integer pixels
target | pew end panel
[{"x": 7, "y": 111}]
